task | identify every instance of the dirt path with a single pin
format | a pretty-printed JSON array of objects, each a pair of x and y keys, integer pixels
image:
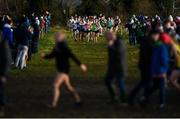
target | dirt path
[{"x": 28, "y": 98}]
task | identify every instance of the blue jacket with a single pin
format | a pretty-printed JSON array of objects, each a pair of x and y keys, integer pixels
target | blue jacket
[
  {"x": 159, "y": 59},
  {"x": 7, "y": 35}
]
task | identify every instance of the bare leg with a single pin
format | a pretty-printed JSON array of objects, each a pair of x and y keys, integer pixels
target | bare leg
[
  {"x": 174, "y": 76},
  {"x": 96, "y": 35},
  {"x": 88, "y": 37},
  {"x": 72, "y": 89},
  {"x": 56, "y": 89}
]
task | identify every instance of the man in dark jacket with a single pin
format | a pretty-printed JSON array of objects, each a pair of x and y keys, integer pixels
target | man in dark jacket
[
  {"x": 35, "y": 38},
  {"x": 117, "y": 66},
  {"x": 23, "y": 45},
  {"x": 145, "y": 55}
]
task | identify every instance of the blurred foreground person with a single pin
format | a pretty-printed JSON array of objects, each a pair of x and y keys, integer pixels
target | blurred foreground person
[
  {"x": 62, "y": 54},
  {"x": 5, "y": 59},
  {"x": 117, "y": 66},
  {"x": 145, "y": 55},
  {"x": 175, "y": 75}
]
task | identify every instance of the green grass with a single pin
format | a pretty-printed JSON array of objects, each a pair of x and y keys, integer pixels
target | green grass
[
  {"x": 92, "y": 54},
  {"x": 30, "y": 90}
]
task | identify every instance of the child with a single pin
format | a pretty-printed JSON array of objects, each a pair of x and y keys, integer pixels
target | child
[{"x": 62, "y": 54}]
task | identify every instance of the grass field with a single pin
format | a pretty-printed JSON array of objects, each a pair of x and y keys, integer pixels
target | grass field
[{"x": 29, "y": 91}]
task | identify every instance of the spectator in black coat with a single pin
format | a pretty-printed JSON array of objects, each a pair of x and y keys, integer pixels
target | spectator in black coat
[
  {"x": 35, "y": 37},
  {"x": 145, "y": 55},
  {"x": 117, "y": 65}
]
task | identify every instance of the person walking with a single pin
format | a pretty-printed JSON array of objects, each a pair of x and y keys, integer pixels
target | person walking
[
  {"x": 117, "y": 65},
  {"x": 62, "y": 54}
]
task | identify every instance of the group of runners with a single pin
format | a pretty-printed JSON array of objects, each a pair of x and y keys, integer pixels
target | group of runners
[
  {"x": 91, "y": 27},
  {"x": 159, "y": 56}
]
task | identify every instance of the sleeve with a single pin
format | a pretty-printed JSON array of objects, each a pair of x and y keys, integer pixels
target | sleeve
[
  {"x": 123, "y": 58},
  {"x": 10, "y": 38},
  {"x": 51, "y": 55},
  {"x": 164, "y": 58},
  {"x": 72, "y": 56}
]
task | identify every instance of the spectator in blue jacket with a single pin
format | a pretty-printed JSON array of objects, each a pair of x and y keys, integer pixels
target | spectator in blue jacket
[
  {"x": 159, "y": 67},
  {"x": 7, "y": 32}
]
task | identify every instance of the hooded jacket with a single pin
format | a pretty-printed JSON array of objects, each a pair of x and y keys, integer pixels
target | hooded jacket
[{"x": 7, "y": 35}]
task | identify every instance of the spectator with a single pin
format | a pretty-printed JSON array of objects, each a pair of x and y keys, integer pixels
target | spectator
[{"x": 117, "y": 66}]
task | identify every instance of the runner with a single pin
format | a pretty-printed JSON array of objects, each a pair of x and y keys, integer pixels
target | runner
[
  {"x": 109, "y": 24},
  {"x": 117, "y": 22}
]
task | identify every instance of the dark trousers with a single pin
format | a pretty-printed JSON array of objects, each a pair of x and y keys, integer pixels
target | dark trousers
[
  {"x": 29, "y": 52},
  {"x": 132, "y": 38},
  {"x": 2, "y": 93},
  {"x": 144, "y": 84},
  {"x": 158, "y": 85},
  {"x": 34, "y": 45},
  {"x": 120, "y": 83}
]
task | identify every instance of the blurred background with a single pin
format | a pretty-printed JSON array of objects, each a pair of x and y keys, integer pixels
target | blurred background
[{"x": 63, "y": 9}]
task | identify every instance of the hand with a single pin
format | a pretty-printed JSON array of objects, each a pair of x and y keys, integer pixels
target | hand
[
  {"x": 83, "y": 67},
  {"x": 43, "y": 55},
  {"x": 3, "y": 80},
  {"x": 110, "y": 43},
  {"x": 163, "y": 75}
]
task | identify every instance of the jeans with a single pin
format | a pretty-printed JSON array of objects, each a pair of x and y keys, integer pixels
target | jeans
[
  {"x": 21, "y": 56},
  {"x": 120, "y": 83}
]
